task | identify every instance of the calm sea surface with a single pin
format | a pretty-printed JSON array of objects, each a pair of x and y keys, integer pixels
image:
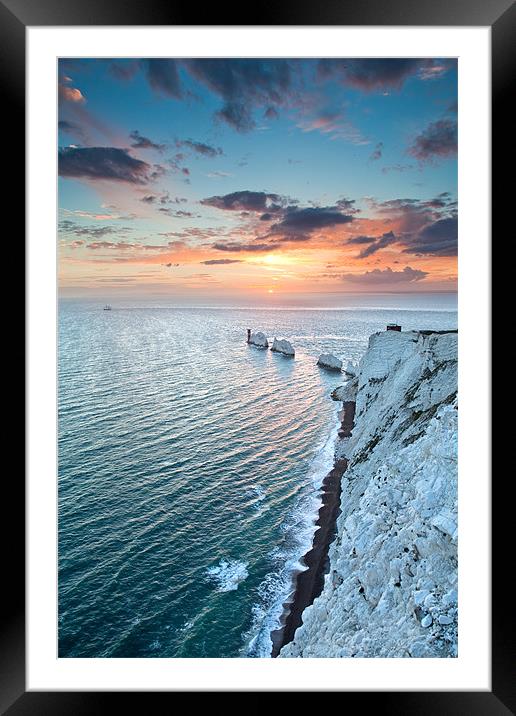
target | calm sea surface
[{"x": 189, "y": 467}]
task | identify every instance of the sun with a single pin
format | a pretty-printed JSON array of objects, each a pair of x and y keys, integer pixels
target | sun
[{"x": 270, "y": 290}]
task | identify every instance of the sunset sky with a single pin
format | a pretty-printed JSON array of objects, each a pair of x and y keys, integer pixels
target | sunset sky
[{"x": 274, "y": 181}]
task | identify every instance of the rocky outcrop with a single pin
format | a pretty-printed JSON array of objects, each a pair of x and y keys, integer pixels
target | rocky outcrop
[
  {"x": 351, "y": 369},
  {"x": 330, "y": 362},
  {"x": 391, "y": 590},
  {"x": 283, "y": 346},
  {"x": 346, "y": 392},
  {"x": 259, "y": 340}
]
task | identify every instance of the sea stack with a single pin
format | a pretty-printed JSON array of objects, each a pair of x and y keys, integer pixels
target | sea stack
[
  {"x": 259, "y": 340},
  {"x": 283, "y": 346},
  {"x": 330, "y": 362}
]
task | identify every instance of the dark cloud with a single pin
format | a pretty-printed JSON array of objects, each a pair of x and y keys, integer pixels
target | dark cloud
[
  {"x": 163, "y": 77},
  {"x": 423, "y": 227},
  {"x": 370, "y": 74},
  {"x": 221, "y": 262},
  {"x": 255, "y": 201},
  {"x": 102, "y": 163},
  {"x": 410, "y": 215},
  {"x": 235, "y": 246},
  {"x": 361, "y": 240},
  {"x": 439, "y": 139},
  {"x": 271, "y": 113},
  {"x": 386, "y": 277},
  {"x": 244, "y": 85},
  {"x": 206, "y": 150},
  {"x": 347, "y": 205},
  {"x": 238, "y": 115},
  {"x": 377, "y": 152},
  {"x": 437, "y": 239},
  {"x": 380, "y": 243},
  {"x": 440, "y": 201},
  {"x": 140, "y": 142},
  {"x": 299, "y": 224}
]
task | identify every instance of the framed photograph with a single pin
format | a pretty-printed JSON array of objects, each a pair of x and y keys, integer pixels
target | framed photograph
[{"x": 258, "y": 367}]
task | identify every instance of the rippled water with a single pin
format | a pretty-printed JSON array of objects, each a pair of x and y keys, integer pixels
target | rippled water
[{"x": 189, "y": 464}]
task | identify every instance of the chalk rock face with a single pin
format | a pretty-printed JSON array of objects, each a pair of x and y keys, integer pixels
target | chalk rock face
[
  {"x": 283, "y": 346},
  {"x": 351, "y": 369},
  {"x": 259, "y": 340},
  {"x": 330, "y": 362},
  {"x": 391, "y": 590},
  {"x": 347, "y": 392}
]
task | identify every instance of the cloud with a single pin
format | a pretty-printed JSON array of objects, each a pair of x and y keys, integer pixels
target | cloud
[
  {"x": 386, "y": 277},
  {"x": 361, "y": 240},
  {"x": 347, "y": 205},
  {"x": 205, "y": 150},
  {"x": 397, "y": 168},
  {"x": 102, "y": 163},
  {"x": 141, "y": 142},
  {"x": 255, "y": 201},
  {"x": 163, "y": 77},
  {"x": 298, "y": 224},
  {"x": 271, "y": 113},
  {"x": 96, "y": 232},
  {"x": 438, "y": 239},
  {"x": 422, "y": 227},
  {"x": 163, "y": 199},
  {"x": 377, "y": 152},
  {"x": 124, "y": 69},
  {"x": 237, "y": 115},
  {"x": 244, "y": 85},
  {"x": 216, "y": 262},
  {"x": 369, "y": 74},
  {"x": 380, "y": 243},
  {"x": 235, "y": 246},
  {"x": 439, "y": 139},
  {"x": 71, "y": 128},
  {"x": 70, "y": 94},
  {"x": 335, "y": 125},
  {"x": 178, "y": 213},
  {"x": 408, "y": 216},
  {"x": 98, "y": 217}
]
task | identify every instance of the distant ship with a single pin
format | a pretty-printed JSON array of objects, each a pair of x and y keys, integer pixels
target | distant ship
[{"x": 107, "y": 307}]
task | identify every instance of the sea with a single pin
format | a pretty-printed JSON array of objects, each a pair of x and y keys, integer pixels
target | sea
[{"x": 190, "y": 465}]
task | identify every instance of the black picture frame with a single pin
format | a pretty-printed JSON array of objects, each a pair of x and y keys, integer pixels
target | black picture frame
[{"x": 15, "y": 17}]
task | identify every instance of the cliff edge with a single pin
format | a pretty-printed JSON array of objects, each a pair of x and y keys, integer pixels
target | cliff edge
[{"x": 392, "y": 586}]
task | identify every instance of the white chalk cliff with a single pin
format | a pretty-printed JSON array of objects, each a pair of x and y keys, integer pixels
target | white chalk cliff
[
  {"x": 392, "y": 586},
  {"x": 282, "y": 346}
]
